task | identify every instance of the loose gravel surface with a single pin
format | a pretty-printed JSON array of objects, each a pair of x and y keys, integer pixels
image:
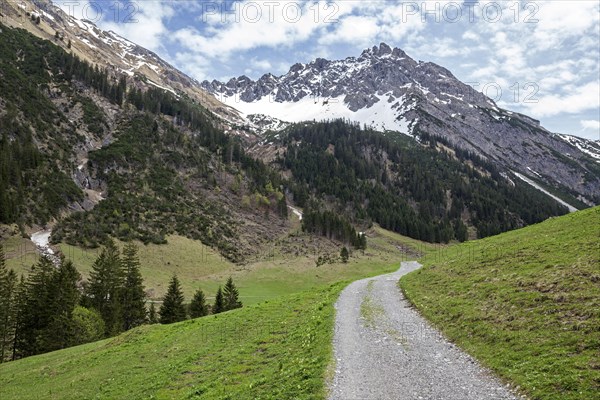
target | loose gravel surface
[{"x": 385, "y": 350}]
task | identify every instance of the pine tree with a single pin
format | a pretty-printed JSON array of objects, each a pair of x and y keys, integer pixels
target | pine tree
[
  {"x": 134, "y": 298},
  {"x": 219, "y": 305},
  {"x": 344, "y": 254},
  {"x": 198, "y": 307},
  {"x": 152, "y": 317},
  {"x": 8, "y": 283},
  {"x": 172, "y": 308},
  {"x": 231, "y": 296},
  {"x": 63, "y": 297},
  {"x": 19, "y": 313},
  {"x": 36, "y": 311},
  {"x": 104, "y": 290}
]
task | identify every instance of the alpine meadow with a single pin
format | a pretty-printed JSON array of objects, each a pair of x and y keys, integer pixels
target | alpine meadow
[{"x": 280, "y": 200}]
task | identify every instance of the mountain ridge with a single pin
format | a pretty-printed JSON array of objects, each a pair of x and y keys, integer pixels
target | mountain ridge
[
  {"x": 108, "y": 49},
  {"x": 386, "y": 89}
]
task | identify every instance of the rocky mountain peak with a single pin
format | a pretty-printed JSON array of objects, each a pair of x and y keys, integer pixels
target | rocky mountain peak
[{"x": 386, "y": 89}]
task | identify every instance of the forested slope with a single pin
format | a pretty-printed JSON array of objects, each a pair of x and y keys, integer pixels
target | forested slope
[{"x": 425, "y": 191}]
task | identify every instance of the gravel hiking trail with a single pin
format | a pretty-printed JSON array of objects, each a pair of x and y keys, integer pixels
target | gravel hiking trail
[{"x": 384, "y": 349}]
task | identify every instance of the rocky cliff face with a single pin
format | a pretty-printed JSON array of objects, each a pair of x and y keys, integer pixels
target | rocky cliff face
[{"x": 386, "y": 89}]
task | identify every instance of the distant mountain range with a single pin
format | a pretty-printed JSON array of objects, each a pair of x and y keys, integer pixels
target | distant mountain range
[
  {"x": 386, "y": 89},
  {"x": 107, "y": 139}
]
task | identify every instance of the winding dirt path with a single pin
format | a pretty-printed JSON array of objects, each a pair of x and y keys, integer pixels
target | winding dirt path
[{"x": 385, "y": 350}]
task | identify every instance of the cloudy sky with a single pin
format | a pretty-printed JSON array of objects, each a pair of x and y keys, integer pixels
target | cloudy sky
[{"x": 541, "y": 58}]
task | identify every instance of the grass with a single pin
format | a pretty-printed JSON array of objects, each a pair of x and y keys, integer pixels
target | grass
[
  {"x": 370, "y": 311},
  {"x": 276, "y": 274},
  {"x": 526, "y": 303},
  {"x": 275, "y": 350}
]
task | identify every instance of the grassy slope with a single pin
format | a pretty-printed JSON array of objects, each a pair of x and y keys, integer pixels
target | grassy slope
[
  {"x": 199, "y": 266},
  {"x": 276, "y": 350},
  {"x": 526, "y": 303}
]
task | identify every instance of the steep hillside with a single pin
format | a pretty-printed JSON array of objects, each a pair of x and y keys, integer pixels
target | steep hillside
[
  {"x": 526, "y": 303},
  {"x": 111, "y": 51},
  {"x": 425, "y": 191},
  {"x": 130, "y": 162},
  {"x": 386, "y": 89}
]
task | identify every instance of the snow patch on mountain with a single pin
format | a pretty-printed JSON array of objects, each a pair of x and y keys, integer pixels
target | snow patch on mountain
[
  {"x": 308, "y": 108},
  {"x": 541, "y": 189},
  {"x": 588, "y": 147}
]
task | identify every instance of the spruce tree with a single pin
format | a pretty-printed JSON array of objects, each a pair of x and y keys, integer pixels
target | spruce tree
[
  {"x": 104, "y": 289},
  {"x": 134, "y": 298},
  {"x": 172, "y": 308},
  {"x": 8, "y": 284},
  {"x": 62, "y": 300},
  {"x": 219, "y": 305},
  {"x": 19, "y": 313},
  {"x": 152, "y": 317},
  {"x": 36, "y": 311},
  {"x": 198, "y": 307},
  {"x": 231, "y": 296},
  {"x": 4, "y": 302},
  {"x": 344, "y": 254}
]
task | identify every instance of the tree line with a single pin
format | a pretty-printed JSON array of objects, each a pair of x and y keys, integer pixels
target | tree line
[{"x": 51, "y": 309}]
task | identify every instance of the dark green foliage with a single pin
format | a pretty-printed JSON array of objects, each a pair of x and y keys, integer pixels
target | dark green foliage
[
  {"x": 104, "y": 291},
  {"x": 45, "y": 303},
  {"x": 282, "y": 208},
  {"x": 34, "y": 317},
  {"x": 8, "y": 286},
  {"x": 33, "y": 186},
  {"x": 404, "y": 186},
  {"x": 152, "y": 315},
  {"x": 93, "y": 116},
  {"x": 331, "y": 225},
  {"x": 344, "y": 255},
  {"x": 19, "y": 318},
  {"x": 164, "y": 146},
  {"x": 134, "y": 298},
  {"x": 219, "y": 304},
  {"x": 63, "y": 299},
  {"x": 88, "y": 326},
  {"x": 172, "y": 309},
  {"x": 198, "y": 306},
  {"x": 147, "y": 199},
  {"x": 230, "y": 296}
]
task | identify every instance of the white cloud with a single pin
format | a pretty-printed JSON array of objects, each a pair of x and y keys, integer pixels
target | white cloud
[
  {"x": 444, "y": 48},
  {"x": 470, "y": 35},
  {"x": 559, "y": 20},
  {"x": 559, "y": 52},
  {"x": 195, "y": 64},
  {"x": 353, "y": 29},
  {"x": 592, "y": 124},
  {"x": 574, "y": 100},
  {"x": 147, "y": 27},
  {"x": 261, "y": 65},
  {"x": 254, "y": 24}
]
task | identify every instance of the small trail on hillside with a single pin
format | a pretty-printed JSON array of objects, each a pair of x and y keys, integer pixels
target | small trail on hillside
[{"x": 385, "y": 350}]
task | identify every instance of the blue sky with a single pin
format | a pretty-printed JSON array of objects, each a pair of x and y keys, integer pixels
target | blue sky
[{"x": 541, "y": 58}]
